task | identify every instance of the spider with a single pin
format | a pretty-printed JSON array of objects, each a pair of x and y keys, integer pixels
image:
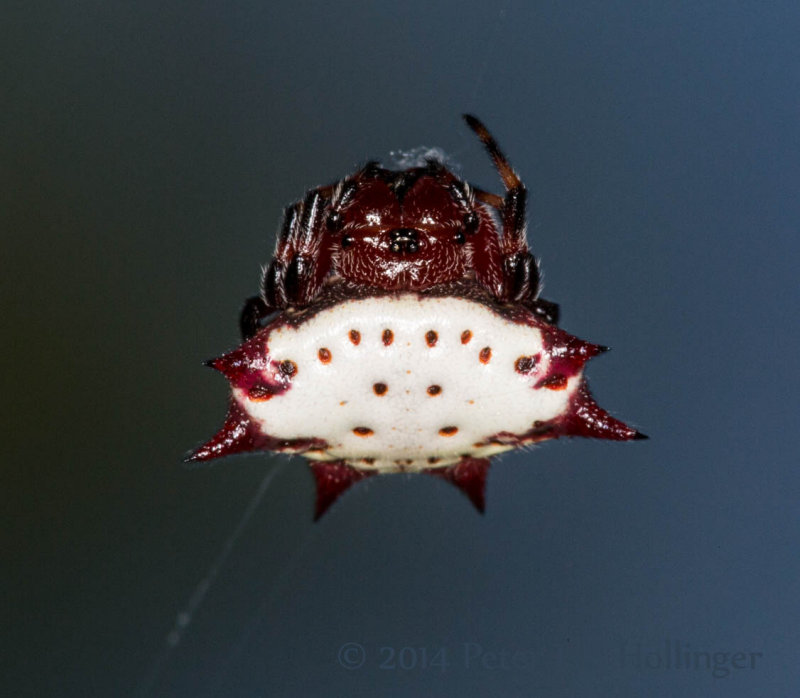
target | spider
[{"x": 399, "y": 328}]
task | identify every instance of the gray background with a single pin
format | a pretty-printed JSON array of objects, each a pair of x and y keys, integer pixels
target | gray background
[{"x": 147, "y": 150}]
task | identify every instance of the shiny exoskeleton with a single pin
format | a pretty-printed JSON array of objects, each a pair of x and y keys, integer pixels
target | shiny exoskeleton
[{"x": 407, "y": 230}]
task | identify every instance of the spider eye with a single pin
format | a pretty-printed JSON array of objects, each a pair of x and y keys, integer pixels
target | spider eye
[
  {"x": 459, "y": 238},
  {"x": 346, "y": 241},
  {"x": 471, "y": 221},
  {"x": 334, "y": 221}
]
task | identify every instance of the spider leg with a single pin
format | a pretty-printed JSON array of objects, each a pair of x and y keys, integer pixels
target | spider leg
[
  {"x": 522, "y": 281},
  {"x": 272, "y": 297},
  {"x": 254, "y": 311},
  {"x": 272, "y": 278},
  {"x": 302, "y": 256},
  {"x": 486, "y": 197},
  {"x": 512, "y": 208},
  {"x": 310, "y": 261}
]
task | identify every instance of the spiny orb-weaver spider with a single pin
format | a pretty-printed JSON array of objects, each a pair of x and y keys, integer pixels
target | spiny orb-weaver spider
[{"x": 400, "y": 328}]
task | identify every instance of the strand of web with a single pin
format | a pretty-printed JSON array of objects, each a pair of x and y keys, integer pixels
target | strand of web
[{"x": 184, "y": 617}]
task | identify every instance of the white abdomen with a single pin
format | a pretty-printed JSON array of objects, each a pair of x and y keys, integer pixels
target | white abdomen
[{"x": 408, "y": 382}]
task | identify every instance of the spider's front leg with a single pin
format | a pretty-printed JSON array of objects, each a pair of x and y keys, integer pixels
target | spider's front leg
[
  {"x": 303, "y": 257},
  {"x": 302, "y": 261},
  {"x": 521, "y": 278}
]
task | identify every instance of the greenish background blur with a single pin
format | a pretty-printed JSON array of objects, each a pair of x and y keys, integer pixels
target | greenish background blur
[{"x": 146, "y": 152}]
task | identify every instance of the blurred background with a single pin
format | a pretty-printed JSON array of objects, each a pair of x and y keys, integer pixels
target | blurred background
[{"x": 146, "y": 152}]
